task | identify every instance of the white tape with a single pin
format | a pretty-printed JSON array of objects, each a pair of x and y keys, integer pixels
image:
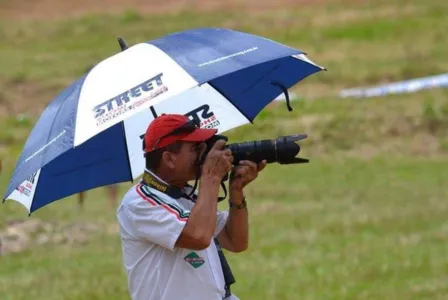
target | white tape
[{"x": 408, "y": 86}]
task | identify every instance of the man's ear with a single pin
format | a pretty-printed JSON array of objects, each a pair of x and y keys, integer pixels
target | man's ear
[{"x": 169, "y": 159}]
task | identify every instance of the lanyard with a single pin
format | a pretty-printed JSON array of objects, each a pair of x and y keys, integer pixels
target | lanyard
[{"x": 172, "y": 191}]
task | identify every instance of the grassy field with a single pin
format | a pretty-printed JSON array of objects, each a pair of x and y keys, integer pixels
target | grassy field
[{"x": 366, "y": 219}]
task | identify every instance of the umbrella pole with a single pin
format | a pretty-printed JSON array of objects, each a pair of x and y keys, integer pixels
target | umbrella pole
[{"x": 153, "y": 112}]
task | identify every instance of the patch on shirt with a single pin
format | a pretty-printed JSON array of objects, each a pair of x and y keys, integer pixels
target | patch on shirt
[{"x": 194, "y": 260}]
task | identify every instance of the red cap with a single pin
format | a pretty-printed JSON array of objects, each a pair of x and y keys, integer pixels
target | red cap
[{"x": 158, "y": 132}]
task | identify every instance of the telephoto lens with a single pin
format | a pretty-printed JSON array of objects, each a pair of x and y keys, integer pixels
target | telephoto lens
[{"x": 282, "y": 150}]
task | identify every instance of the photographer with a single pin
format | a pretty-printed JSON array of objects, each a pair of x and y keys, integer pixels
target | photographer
[{"x": 170, "y": 240}]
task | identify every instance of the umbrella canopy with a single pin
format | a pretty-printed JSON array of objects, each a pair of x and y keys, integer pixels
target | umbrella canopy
[{"x": 90, "y": 134}]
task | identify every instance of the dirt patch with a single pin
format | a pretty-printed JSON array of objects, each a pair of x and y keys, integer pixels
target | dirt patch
[
  {"x": 24, "y": 96},
  {"x": 20, "y": 235},
  {"x": 54, "y": 9}
]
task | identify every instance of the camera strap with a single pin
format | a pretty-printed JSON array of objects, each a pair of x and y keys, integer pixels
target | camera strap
[
  {"x": 172, "y": 191},
  {"x": 177, "y": 193},
  {"x": 199, "y": 162},
  {"x": 229, "y": 279}
]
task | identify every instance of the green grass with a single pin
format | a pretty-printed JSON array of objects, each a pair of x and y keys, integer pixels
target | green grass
[
  {"x": 359, "y": 45},
  {"x": 366, "y": 219},
  {"x": 327, "y": 230}
]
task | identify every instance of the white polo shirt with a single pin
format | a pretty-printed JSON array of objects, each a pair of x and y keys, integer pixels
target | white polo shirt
[{"x": 150, "y": 224}]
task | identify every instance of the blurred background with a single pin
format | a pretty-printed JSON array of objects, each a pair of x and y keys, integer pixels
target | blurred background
[{"x": 366, "y": 219}]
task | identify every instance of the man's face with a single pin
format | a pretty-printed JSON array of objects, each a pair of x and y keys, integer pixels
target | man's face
[{"x": 184, "y": 162}]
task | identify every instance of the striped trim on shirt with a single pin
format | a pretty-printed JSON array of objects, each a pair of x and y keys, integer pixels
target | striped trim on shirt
[{"x": 172, "y": 207}]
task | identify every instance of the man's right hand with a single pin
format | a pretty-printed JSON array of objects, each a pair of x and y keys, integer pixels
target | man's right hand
[
  {"x": 198, "y": 232},
  {"x": 218, "y": 162}
]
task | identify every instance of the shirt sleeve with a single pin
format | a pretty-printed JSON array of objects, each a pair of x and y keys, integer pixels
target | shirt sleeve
[
  {"x": 221, "y": 222},
  {"x": 154, "y": 219}
]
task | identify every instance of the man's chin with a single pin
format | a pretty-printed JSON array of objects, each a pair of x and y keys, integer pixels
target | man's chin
[{"x": 192, "y": 178}]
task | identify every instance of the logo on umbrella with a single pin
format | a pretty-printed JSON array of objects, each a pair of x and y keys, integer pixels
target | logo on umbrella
[
  {"x": 204, "y": 117},
  {"x": 129, "y": 100},
  {"x": 27, "y": 186}
]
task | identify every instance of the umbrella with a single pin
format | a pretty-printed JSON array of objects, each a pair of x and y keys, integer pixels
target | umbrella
[{"x": 90, "y": 134}]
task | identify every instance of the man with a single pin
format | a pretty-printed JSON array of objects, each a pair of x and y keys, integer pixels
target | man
[{"x": 168, "y": 237}]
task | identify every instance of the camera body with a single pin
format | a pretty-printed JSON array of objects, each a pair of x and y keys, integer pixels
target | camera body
[
  {"x": 211, "y": 141},
  {"x": 282, "y": 150}
]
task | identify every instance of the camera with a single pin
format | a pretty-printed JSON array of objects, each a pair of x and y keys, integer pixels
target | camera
[{"x": 282, "y": 150}]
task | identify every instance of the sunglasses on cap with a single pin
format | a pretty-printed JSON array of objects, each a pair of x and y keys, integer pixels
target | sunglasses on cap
[{"x": 188, "y": 127}]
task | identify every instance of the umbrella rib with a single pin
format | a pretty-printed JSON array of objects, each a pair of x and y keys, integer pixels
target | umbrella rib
[{"x": 236, "y": 107}]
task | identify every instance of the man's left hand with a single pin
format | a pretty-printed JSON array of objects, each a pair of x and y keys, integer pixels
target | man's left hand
[{"x": 244, "y": 173}]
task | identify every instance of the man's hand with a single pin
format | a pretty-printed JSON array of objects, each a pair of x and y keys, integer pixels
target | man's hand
[
  {"x": 218, "y": 161},
  {"x": 245, "y": 173}
]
